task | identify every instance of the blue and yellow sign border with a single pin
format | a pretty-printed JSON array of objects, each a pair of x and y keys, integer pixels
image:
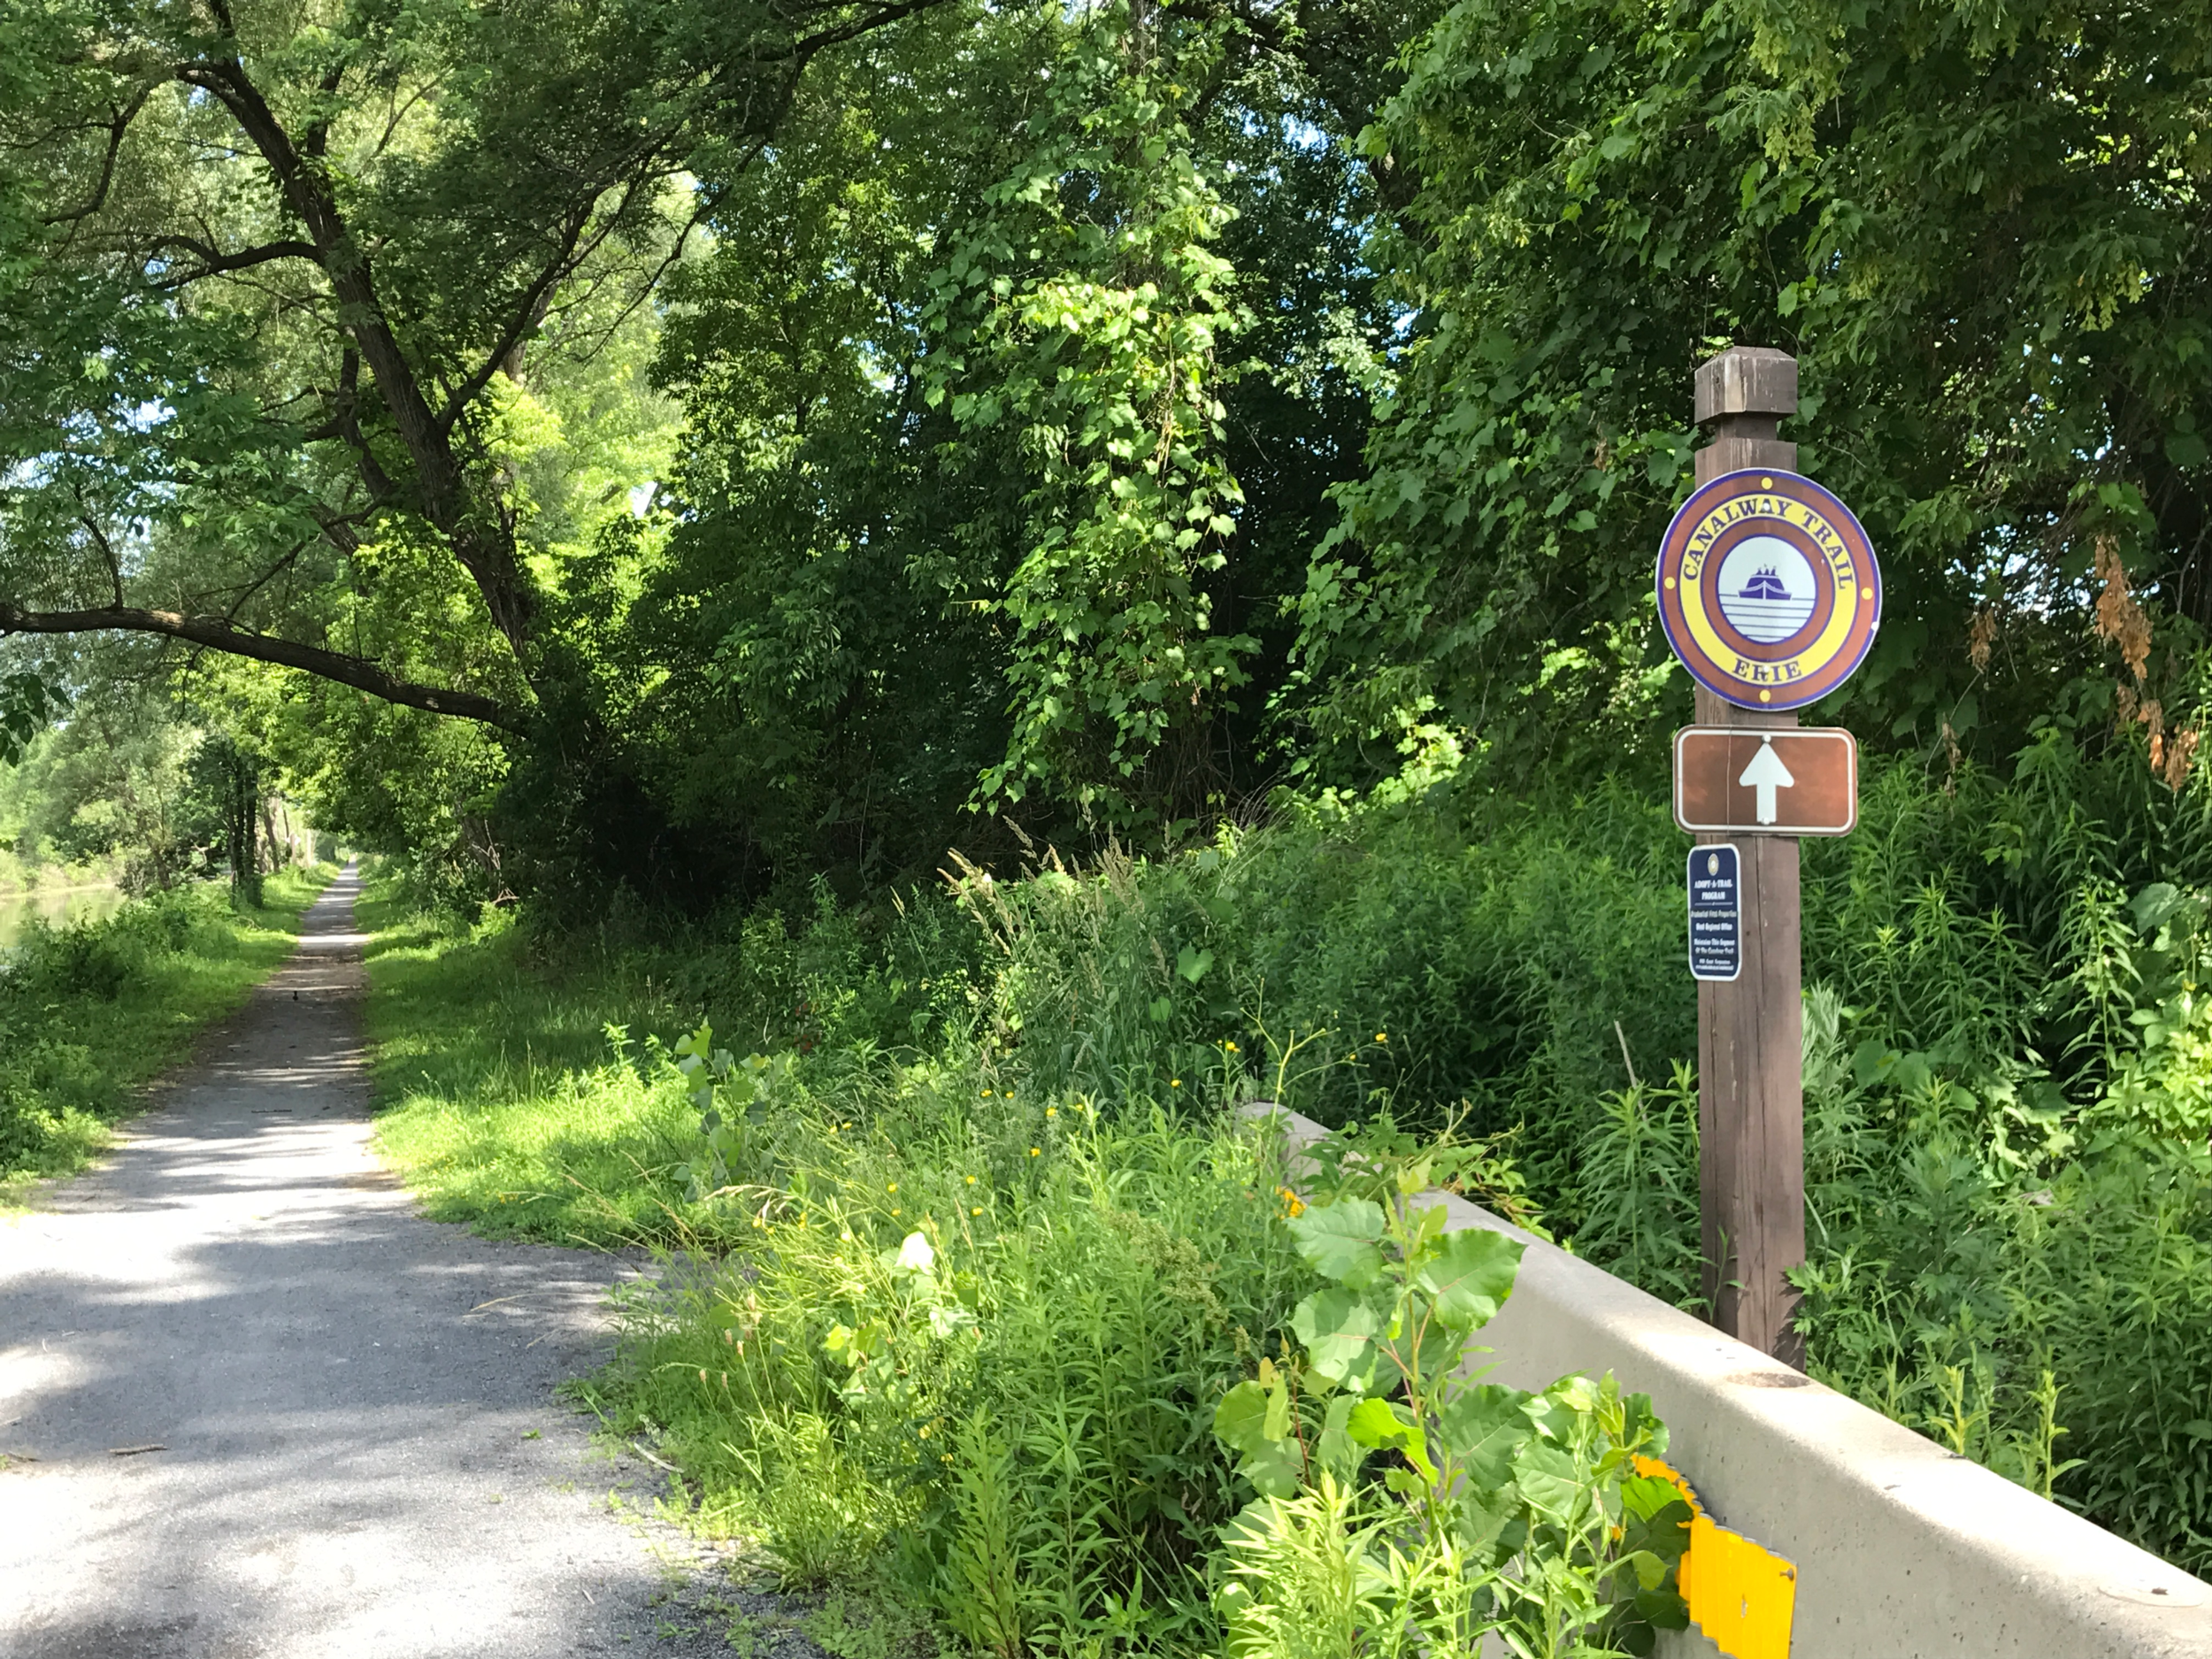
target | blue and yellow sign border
[{"x": 1823, "y": 653}]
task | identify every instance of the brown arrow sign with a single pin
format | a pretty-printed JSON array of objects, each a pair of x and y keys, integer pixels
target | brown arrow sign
[{"x": 1743, "y": 780}]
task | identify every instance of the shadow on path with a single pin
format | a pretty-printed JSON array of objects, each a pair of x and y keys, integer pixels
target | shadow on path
[{"x": 342, "y": 1390}]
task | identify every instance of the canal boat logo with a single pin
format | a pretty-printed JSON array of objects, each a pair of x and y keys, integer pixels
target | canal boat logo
[{"x": 1768, "y": 590}]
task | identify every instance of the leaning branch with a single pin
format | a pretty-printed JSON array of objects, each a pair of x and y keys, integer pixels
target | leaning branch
[
  {"x": 215, "y": 263},
  {"x": 218, "y": 634}
]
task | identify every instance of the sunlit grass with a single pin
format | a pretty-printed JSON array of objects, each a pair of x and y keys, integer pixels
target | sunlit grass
[{"x": 502, "y": 1100}]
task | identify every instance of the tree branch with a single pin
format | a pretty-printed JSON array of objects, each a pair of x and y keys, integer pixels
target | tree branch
[
  {"x": 805, "y": 49},
  {"x": 257, "y": 584},
  {"x": 306, "y": 192},
  {"x": 527, "y": 315},
  {"x": 490, "y": 559},
  {"x": 116, "y": 129},
  {"x": 345, "y": 422},
  {"x": 107, "y": 548},
  {"x": 217, "y": 634},
  {"x": 214, "y": 263}
]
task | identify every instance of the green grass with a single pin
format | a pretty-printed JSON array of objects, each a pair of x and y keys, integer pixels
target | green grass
[
  {"x": 89, "y": 1014},
  {"x": 502, "y": 1100},
  {"x": 945, "y": 1340},
  {"x": 1100, "y": 1283}
]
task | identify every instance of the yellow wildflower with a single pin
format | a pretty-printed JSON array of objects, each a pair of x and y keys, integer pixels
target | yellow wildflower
[
  {"x": 1035, "y": 1152},
  {"x": 1294, "y": 1206}
]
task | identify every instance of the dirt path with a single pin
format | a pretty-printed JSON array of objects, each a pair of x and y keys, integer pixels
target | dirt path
[{"x": 362, "y": 1452}]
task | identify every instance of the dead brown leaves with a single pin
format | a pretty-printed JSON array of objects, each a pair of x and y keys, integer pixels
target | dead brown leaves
[{"x": 2122, "y": 622}]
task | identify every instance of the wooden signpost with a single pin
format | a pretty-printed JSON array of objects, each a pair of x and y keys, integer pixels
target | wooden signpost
[{"x": 1770, "y": 594}]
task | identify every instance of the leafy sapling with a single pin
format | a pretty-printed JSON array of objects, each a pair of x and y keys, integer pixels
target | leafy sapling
[
  {"x": 733, "y": 1097},
  {"x": 1445, "y": 1508}
]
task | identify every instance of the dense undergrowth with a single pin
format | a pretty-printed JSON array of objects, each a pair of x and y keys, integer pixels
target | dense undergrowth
[
  {"x": 2008, "y": 1094},
  {"x": 963, "y": 1343},
  {"x": 91, "y": 1011}
]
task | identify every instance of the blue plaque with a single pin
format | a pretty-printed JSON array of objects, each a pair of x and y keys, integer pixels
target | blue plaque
[{"x": 1715, "y": 913}]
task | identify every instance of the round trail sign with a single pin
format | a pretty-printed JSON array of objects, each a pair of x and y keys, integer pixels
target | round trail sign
[{"x": 1768, "y": 590}]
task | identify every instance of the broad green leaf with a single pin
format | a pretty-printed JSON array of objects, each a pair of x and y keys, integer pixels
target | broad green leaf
[
  {"x": 1405, "y": 1482},
  {"x": 1383, "y": 1423},
  {"x": 1549, "y": 1480},
  {"x": 1240, "y": 1424},
  {"x": 1469, "y": 1275},
  {"x": 1483, "y": 1427},
  {"x": 1241, "y": 1419},
  {"x": 1339, "y": 1331},
  {"x": 1277, "y": 1424},
  {"x": 1489, "y": 1522},
  {"x": 1338, "y": 1453},
  {"x": 1374, "y": 1422},
  {"x": 1273, "y": 1467},
  {"x": 1645, "y": 1495},
  {"x": 1663, "y": 1609},
  {"x": 1338, "y": 1240},
  {"x": 1650, "y": 1572},
  {"x": 1664, "y": 1533}
]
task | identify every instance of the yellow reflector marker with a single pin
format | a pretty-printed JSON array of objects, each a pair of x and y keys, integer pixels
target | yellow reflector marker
[{"x": 1741, "y": 1596}]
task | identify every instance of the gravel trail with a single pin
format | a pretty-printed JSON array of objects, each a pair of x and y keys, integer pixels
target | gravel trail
[{"x": 360, "y": 1448}]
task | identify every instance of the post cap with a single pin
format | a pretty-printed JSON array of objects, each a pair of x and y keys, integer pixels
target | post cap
[{"x": 1747, "y": 380}]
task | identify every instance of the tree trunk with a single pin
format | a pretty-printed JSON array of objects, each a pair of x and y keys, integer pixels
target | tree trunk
[{"x": 245, "y": 854}]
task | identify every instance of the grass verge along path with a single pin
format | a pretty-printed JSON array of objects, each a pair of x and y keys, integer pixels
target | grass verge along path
[
  {"x": 517, "y": 1095},
  {"x": 90, "y": 1013},
  {"x": 1001, "y": 1363}
]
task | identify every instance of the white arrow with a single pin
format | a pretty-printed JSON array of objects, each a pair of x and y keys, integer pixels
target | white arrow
[{"x": 1766, "y": 773}]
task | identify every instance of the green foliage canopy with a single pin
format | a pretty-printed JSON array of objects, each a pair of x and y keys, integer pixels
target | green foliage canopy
[
  {"x": 804, "y": 429},
  {"x": 1980, "y": 229}
]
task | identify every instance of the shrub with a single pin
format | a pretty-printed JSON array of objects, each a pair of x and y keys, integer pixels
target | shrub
[
  {"x": 84, "y": 959},
  {"x": 981, "y": 1338},
  {"x": 1496, "y": 1516},
  {"x": 2031, "y": 1286},
  {"x": 996, "y": 1323}
]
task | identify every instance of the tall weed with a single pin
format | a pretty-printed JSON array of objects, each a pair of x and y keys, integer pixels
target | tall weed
[{"x": 1011, "y": 1319}]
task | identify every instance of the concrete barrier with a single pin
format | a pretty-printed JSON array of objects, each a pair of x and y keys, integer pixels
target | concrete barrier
[{"x": 1903, "y": 1550}]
